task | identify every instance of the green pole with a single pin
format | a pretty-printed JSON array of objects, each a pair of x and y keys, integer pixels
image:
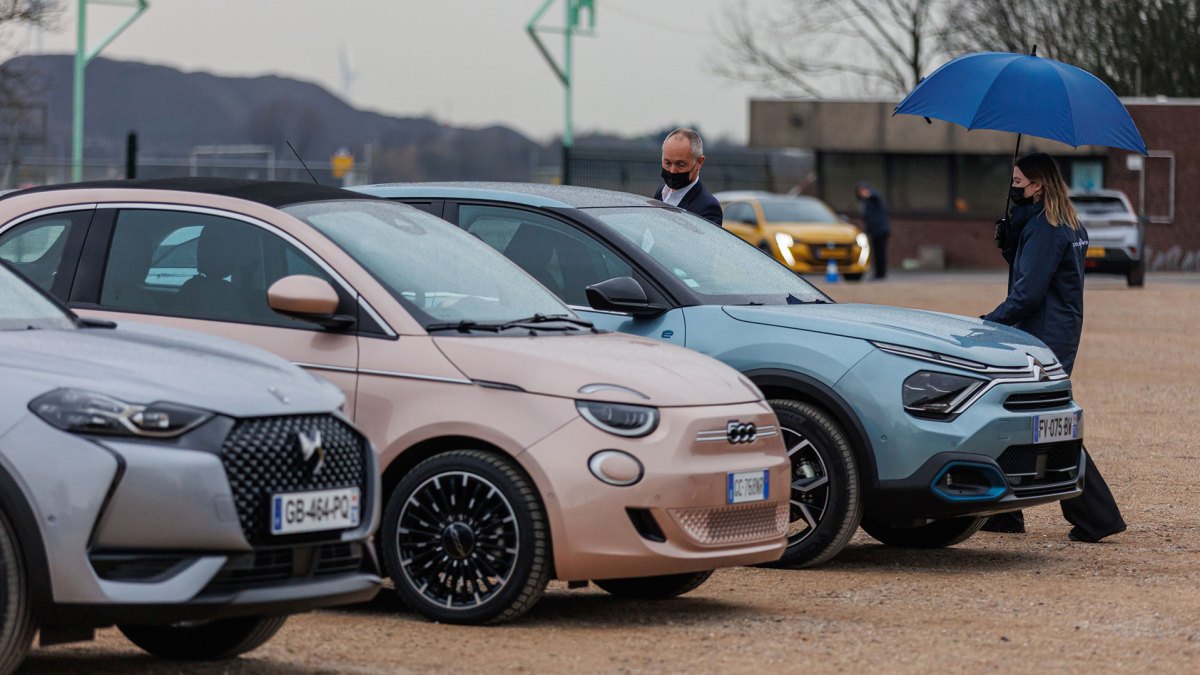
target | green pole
[
  {"x": 568, "y": 138},
  {"x": 82, "y": 57}
]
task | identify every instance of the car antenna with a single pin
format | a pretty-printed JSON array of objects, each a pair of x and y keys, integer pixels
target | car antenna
[{"x": 289, "y": 144}]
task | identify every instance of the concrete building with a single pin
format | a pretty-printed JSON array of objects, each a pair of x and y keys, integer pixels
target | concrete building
[{"x": 945, "y": 186}]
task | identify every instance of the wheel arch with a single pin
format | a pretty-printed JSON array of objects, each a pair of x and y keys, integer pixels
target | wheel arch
[
  {"x": 29, "y": 540},
  {"x": 778, "y": 383}
]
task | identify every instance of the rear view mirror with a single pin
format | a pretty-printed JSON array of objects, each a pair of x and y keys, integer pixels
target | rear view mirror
[
  {"x": 309, "y": 298},
  {"x": 622, "y": 294}
]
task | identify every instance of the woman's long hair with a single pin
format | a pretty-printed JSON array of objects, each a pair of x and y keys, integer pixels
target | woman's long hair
[{"x": 1041, "y": 168}]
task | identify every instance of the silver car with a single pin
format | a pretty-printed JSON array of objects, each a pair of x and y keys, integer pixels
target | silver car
[
  {"x": 1116, "y": 239},
  {"x": 190, "y": 490}
]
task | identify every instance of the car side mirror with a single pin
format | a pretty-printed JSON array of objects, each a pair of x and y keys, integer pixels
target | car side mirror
[
  {"x": 309, "y": 298},
  {"x": 623, "y": 294}
]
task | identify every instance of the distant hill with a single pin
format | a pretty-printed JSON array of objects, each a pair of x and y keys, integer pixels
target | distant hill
[{"x": 173, "y": 111}]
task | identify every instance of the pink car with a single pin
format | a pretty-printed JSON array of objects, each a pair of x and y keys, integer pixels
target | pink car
[{"x": 517, "y": 444}]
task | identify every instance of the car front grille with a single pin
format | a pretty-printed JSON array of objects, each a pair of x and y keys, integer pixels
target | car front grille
[
  {"x": 1042, "y": 400},
  {"x": 276, "y": 565},
  {"x": 733, "y": 524},
  {"x": 262, "y": 457},
  {"x": 836, "y": 252},
  {"x": 1029, "y": 468}
]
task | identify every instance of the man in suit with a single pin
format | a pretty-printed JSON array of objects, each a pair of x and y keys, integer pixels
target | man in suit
[{"x": 682, "y": 157}]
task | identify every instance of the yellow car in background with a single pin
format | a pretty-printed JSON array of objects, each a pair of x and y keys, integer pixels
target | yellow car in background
[{"x": 800, "y": 232}]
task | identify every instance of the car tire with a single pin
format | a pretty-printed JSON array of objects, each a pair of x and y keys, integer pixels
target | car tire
[
  {"x": 826, "y": 496},
  {"x": 1136, "y": 276},
  {"x": 938, "y": 534},
  {"x": 16, "y": 614},
  {"x": 654, "y": 588},
  {"x": 463, "y": 499},
  {"x": 210, "y": 641}
]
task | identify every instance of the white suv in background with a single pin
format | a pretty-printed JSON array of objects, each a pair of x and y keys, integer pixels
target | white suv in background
[{"x": 1116, "y": 242}]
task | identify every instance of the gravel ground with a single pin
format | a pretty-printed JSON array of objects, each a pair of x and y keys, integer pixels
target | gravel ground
[{"x": 1011, "y": 603}]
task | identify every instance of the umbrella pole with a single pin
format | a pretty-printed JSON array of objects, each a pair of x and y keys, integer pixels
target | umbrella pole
[{"x": 1016, "y": 151}]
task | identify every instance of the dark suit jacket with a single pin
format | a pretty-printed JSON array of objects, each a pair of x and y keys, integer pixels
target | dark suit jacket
[{"x": 700, "y": 201}]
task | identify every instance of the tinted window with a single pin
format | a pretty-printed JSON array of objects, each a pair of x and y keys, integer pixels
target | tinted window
[
  {"x": 198, "y": 266},
  {"x": 716, "y": 264},
  {"x": 440, "y": 273},
  {"x": 561, "y": 257},
  {"x": 35, "y": 248},
  {"x": 740, "y": 212},
  {"x": 798, "y": 210},
  {"x": 23, "y": 308},
  {"x": 1098, "y": 206}
]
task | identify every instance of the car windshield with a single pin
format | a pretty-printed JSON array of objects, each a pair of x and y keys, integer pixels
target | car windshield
[
  {"x": 1098, "y": 206},
  {"x": 798, "y": 210},
  {"x": 438, "y": 272},
  {"x": 22, "y": 307},
  {"x": 714, "y": 263}
]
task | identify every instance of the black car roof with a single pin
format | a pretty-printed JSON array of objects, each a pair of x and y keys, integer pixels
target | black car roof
[{"x": 270, "y": 193}]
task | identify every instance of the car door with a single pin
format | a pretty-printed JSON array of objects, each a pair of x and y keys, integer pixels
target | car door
[
  {"x": 565, "y": 259},
  {"x": 209, "y": 271}
]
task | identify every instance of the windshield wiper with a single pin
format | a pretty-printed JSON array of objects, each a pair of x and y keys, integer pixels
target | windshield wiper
[
  {"x": 464, "y": 326},
  {"x": 545, "y": 318},
  {"x": 531, "y": 322}
]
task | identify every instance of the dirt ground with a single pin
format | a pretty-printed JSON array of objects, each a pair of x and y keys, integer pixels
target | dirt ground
[{"x": 996, "y": 603}]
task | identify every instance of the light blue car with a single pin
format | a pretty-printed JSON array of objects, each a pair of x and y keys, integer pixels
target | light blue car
[{"x": 915, "y": 425}]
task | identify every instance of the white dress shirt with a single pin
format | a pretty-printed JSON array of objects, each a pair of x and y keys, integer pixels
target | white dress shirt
[{"x": 673, "y": 197}]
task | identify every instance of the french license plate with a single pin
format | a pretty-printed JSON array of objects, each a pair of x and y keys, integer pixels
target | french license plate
[
  {"x": 1051, "y": 428},
  {"x": 1096, "y": 252},
  {"x": 296, "y": 512},
  {"x": 748, "y": 486}
]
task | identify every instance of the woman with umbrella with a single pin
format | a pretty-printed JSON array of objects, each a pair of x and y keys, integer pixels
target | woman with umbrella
[
  {"x": 1045, "y": 247},
  {"x": 1042, "y": 241}
]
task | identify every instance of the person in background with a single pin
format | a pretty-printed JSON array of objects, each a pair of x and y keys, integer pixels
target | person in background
[
  {"x": 875, "y": 225},
  {"x": 682, "y": 157},
  {"x": 1045, "y": 247}
]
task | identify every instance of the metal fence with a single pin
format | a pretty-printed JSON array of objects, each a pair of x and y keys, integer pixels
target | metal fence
[
  {"x": 32, "y": 171},
  {"x": 638, "y": 170}
]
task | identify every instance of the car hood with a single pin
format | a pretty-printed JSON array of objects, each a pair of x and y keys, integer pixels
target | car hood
[
  {"x": 958, "y": 336},
  {"x": 141, "y": 364},
  {"x": 560, "y": 365},
  {"x": 838, "y": 233}
]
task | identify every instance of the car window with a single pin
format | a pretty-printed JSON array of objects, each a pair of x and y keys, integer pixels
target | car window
[
  {"x": 558, "y": 255},
  {"x": 1098, "y": 206},
  {"x": 198, "y": 266},
  {"x": 740, "y": 212},
  {"x": 435, "y": 270},
  {"x": 714, "y": 263},
  {"x": 35, "y": 248},
  {"x": 797, "y": 210},
  {"x": 23, "y": 308}
]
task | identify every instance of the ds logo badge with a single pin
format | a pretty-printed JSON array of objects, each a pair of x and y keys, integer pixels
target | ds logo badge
[{"x": 312, "y": 450}]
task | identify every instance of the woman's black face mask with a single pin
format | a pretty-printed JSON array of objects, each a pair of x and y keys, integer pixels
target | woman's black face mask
[
  {"x": 1017, "y": 195},
  {"x": 676, "y": 181}
]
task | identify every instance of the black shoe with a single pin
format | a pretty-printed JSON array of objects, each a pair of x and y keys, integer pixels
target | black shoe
[{"x": 1077, "y": 534}]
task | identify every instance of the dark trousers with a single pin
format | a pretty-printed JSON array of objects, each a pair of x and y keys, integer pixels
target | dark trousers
[
  {"x": 879, "y": 244},
  {"x": 1094, "y": 513}
]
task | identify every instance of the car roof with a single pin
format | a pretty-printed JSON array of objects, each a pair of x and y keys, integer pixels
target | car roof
[
  {"x": 270, "y": 193},
  {"x": 528, "y": 194},
  {"x": 744, "y": 194},
  {"x": 1097, "y": 193}
]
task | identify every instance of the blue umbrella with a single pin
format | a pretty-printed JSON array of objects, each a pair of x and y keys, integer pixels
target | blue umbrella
[{"x": 1025, "y": 94}]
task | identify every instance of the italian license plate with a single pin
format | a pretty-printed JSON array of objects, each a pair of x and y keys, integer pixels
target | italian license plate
[
  {"x": 1051, "y": 428},
  {"x": 1095, "y": 252},
  {"x": 748, "y": 486},
  {"x": 296, "y": 512}
]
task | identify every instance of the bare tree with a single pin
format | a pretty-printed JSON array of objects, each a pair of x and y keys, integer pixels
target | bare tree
[
  {"x": 801, "y": 45},
  {"x": 15, "y": 15},
  {"x": 1138, "y": 47}
]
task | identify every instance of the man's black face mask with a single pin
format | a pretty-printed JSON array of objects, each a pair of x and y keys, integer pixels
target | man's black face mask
[
  {"x": 676, "y": 181},
  {"x": 1017, "y": 195}
]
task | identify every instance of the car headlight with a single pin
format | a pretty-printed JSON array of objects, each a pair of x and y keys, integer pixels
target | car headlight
[
  {"x": 86, "y": 412},
  {"x": 864, "y": 247},
  {"x": 928, "y": 393},
  {"x": 785, "y": 243},
  {"x": 621, "y": 419}
]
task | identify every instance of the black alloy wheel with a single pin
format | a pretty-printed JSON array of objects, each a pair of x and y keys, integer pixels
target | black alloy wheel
[
  {"x": 205, "y": 641},
  {"x": 826, "y": 501},
  {"x": 465, "y": 539}
]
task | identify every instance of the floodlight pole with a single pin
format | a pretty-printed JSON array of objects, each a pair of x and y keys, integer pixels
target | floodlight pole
[
  {"x": 82, "y": 57},
  {"x": 566, "y": 73}
]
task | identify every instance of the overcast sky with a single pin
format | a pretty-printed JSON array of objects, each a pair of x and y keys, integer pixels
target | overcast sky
[{"x": 467, "y": 62}]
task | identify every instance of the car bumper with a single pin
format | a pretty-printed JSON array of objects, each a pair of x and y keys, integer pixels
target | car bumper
[
  {"x": 1109, "y": 259},
  {"x": 676, "y": 518}
]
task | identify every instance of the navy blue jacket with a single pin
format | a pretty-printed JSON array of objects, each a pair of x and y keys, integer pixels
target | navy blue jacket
[
  {"x": 1045, "y": 293},
  {"x": 699, "y": 201},
  {"x": 874, "y": 213}
]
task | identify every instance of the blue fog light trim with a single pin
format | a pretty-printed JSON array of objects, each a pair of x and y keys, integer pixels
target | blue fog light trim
[{"x": 997, "y": 489}]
